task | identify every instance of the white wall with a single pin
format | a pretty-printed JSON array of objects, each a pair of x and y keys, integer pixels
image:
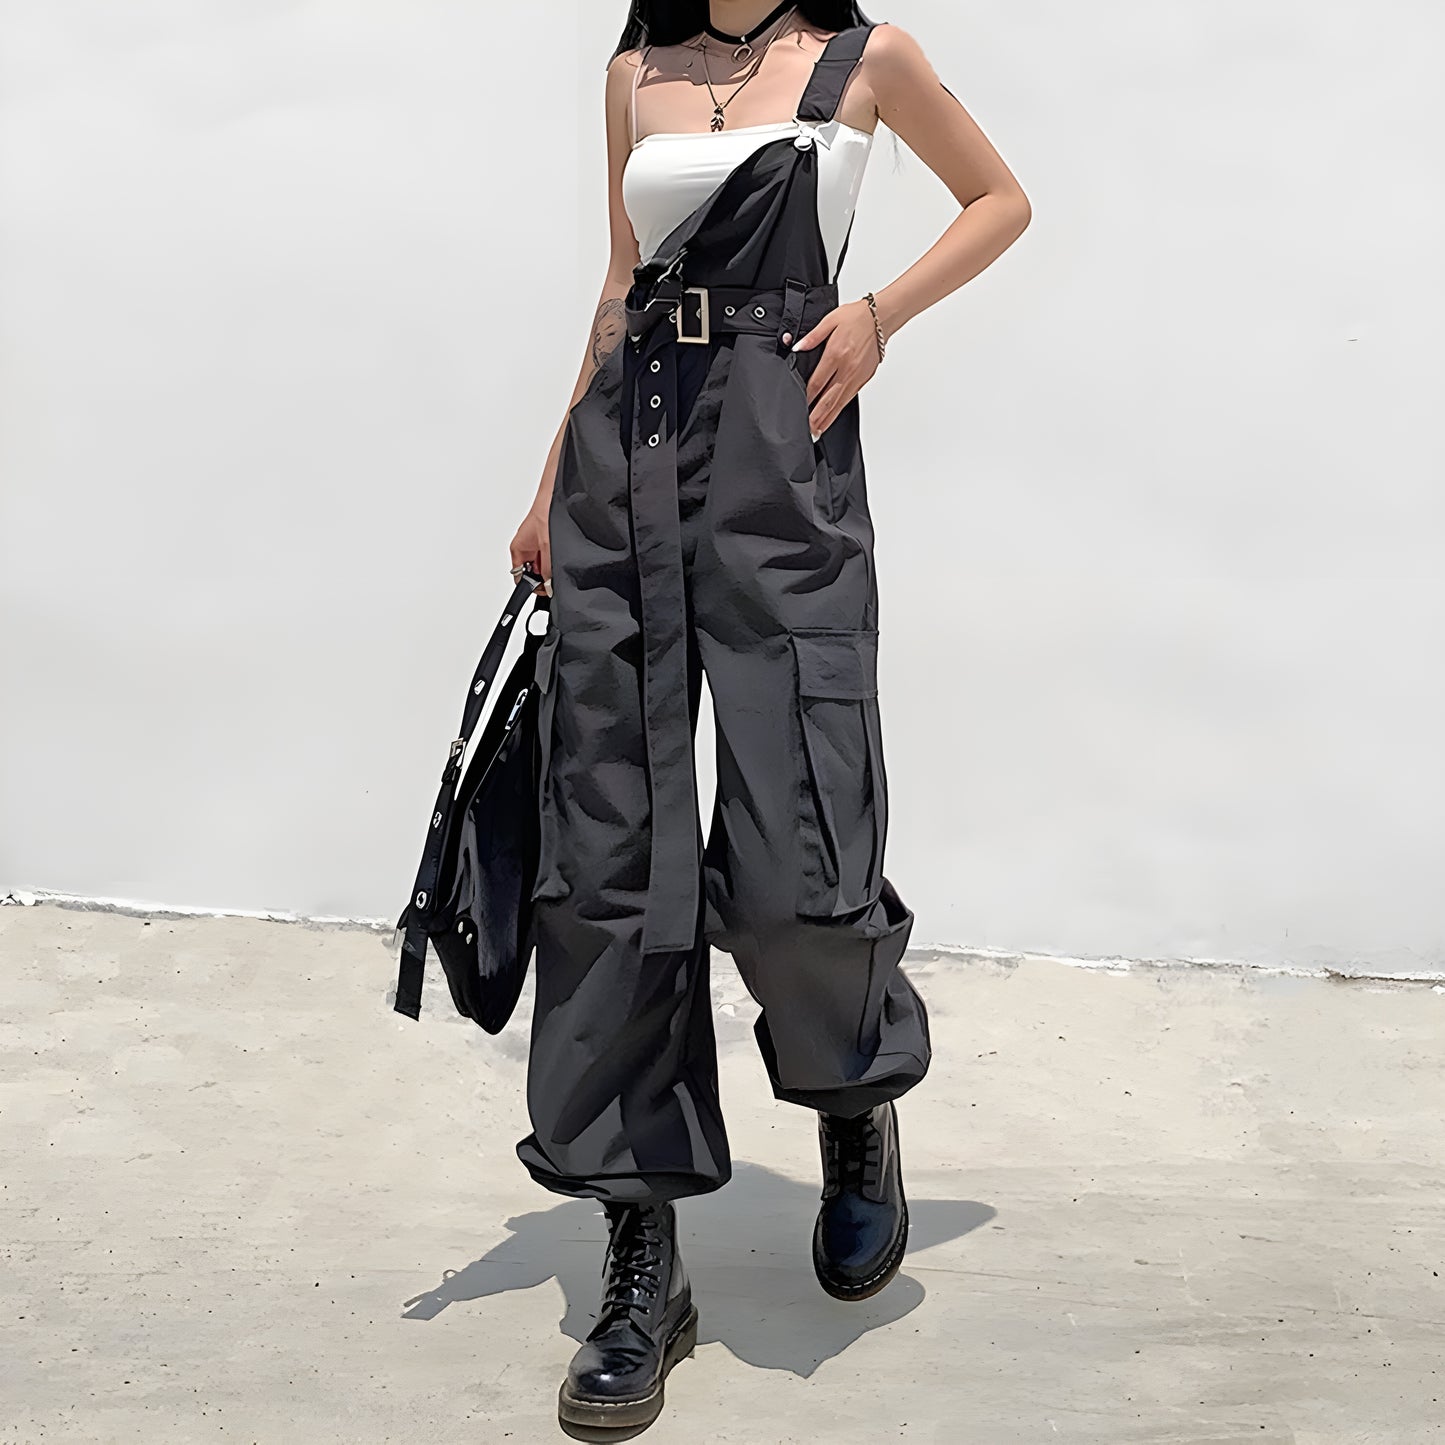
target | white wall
[{"x": 294, "y": 294}]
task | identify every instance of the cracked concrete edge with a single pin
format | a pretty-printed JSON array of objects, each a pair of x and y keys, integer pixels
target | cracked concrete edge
[
  {"x": 134, "y": 908},
  {"x": 1433, "y": 978}
]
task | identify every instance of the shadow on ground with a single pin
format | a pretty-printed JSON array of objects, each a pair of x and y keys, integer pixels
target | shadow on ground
[{"x": 746, "y": 1248}]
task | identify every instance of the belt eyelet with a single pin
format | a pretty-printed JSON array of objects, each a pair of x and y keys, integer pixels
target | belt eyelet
[{"x": 759, "y": 312}]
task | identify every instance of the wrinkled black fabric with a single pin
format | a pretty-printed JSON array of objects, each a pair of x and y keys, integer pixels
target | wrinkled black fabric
[{"x": 738, "y": 547}]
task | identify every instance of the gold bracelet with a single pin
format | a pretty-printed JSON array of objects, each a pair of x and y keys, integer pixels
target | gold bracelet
[{"x": 873, "y": 307}]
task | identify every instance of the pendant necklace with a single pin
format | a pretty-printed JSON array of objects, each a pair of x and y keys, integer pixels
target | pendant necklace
[{"x": 742, "y": 51}]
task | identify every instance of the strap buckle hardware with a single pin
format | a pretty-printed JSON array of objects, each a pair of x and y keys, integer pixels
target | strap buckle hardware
[{"x": 680, "y": 314}]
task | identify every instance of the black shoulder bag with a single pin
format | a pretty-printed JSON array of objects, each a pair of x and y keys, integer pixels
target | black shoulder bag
[{"x": 472, "y": 896}]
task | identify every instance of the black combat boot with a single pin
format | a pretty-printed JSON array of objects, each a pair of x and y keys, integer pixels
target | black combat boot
[
  {"x": 862, "y": 1226},
  {"x": 646, "y": 1324}
]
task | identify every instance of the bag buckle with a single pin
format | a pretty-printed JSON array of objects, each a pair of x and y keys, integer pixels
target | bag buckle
[
  {"x": 680, "y": 313},
  {"x": 454, "y": 753}
]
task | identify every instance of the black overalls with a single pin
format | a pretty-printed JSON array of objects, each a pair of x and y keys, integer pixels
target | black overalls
[{"x": 695, "y": 524}]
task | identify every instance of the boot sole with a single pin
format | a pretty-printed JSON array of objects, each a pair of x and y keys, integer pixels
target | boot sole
[
  {"x": 642, "y": 1409},
  {"x": 874, "y": 1283}
]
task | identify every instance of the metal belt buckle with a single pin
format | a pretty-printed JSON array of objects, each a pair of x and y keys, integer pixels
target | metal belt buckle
[{"x": 701, "y": 293}]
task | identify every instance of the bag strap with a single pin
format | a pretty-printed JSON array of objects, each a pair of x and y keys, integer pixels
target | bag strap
[
  {"x": 486, "y": 673},
  {"x": 412, "y": 923}
]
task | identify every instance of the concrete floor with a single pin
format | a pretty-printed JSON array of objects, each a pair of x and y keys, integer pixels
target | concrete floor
[{"x": 245, "y": 1200}]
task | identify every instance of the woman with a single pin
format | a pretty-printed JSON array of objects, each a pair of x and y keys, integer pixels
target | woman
[{"x": 703, "y": 509}]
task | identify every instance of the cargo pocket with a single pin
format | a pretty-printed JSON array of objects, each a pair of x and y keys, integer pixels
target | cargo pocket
[
  {"x": 549, "y": 882},
  {"x": 842, "y": 790}
]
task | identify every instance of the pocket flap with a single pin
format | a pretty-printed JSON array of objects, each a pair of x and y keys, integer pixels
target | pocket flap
[{"x": 837, "y": 663}]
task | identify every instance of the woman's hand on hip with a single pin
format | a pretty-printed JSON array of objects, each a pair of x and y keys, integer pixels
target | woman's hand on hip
[{"x": 849, "y": 359}]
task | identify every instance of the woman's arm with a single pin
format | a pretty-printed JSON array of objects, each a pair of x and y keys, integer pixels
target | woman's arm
[
  {"x": 911, "y": 99},
  {"x": 530, "y": 545}
]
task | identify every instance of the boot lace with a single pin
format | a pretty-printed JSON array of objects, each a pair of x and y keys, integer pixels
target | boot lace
[
  {"x": 855, "y": 1150},
  {"x": 634, "y": 1255}
]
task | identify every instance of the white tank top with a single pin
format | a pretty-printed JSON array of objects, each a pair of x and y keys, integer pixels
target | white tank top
[{"x": 668, "y": 174}]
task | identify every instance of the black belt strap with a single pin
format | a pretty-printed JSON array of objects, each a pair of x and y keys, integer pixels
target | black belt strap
[{"x": 757, "y": 310}]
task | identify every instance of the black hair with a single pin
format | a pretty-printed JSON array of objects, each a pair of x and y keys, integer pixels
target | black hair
[{"x": 669, "y": 22}]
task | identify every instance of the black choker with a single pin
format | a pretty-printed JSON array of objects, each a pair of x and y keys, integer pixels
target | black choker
[{"x": 762, "y": 24}]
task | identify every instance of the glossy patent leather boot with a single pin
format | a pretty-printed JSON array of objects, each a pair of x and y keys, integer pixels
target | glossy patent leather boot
[
  {"x": 862, "y": 1226},
  {"x": 646, "y": 1324}
]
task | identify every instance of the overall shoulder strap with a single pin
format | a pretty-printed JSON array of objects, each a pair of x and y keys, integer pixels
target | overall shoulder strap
[{"x": 831, "y": 70}]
